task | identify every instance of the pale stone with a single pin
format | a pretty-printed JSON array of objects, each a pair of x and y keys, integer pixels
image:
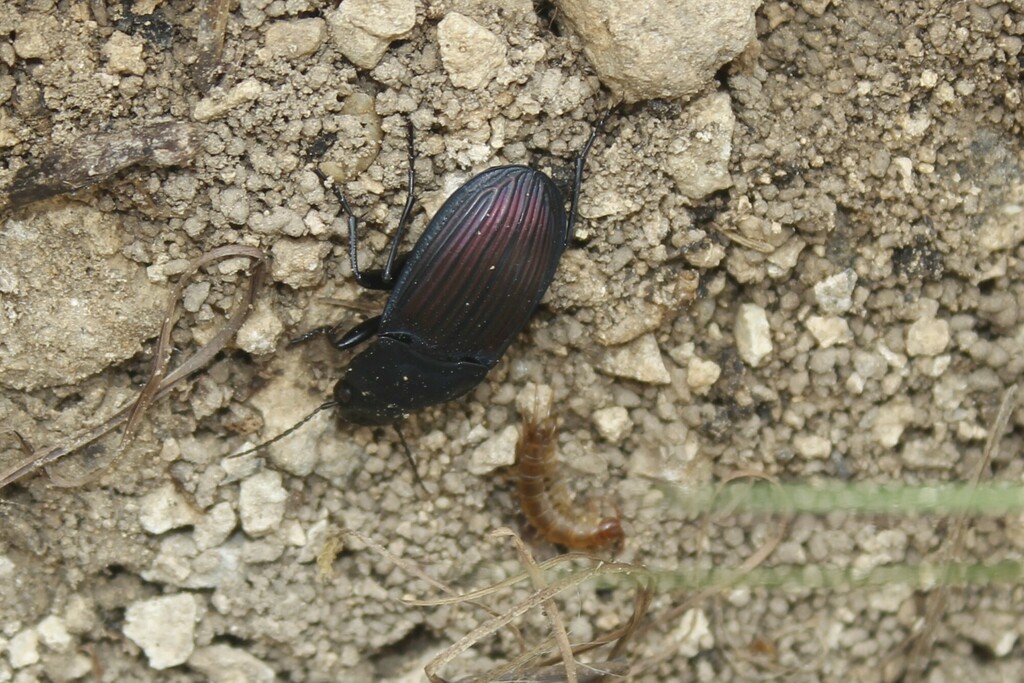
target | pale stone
[
  {"x": 660, "y": 48},
  {"x": 362, "y": 29},
  {"x": 261, "y": 502},
  {"x": 613, "y": 423},
  {"x": 834, "y": 294},
  {"x": 225, "y": 664},
  {"x": 927, "y": 337},
  {"x": 164, "y": 509},
  {"x": 812, "y": 446},
  {"x": 753, "y": 335},
  {"x": 124, "y": 54},
  {"x": 164, "y": 628},
  {"x": 494, "y": 453},
  {"x": 640, "y": 360},
  {"x": 702, "y": 374},
  {"x": 829, "y": 330},
  {"x": 698, "y": 160},
  {"x": 296, "y": 38},
  {"x": 221, "y": 103},
  {"x": 472, "y": 55}
]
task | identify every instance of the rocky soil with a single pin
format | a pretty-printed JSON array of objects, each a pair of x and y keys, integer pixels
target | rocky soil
[{"x": 800, "y": 255}]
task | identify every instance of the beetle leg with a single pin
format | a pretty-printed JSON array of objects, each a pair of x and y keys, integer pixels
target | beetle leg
[
  {"x": 395, "y": 263},
  {"x": 354, "y": 336},
  {"x": 378, "y": 279},
  {"x": 581, "y": 161},
  {"x": 409, "y": 458},
  {"x": 374, "y": 279}
]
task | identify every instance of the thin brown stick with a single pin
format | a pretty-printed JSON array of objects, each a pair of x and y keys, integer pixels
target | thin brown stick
[
  {"x": 953, "y": 548},
  {"x": 550, "y": 608},
  {"x": 160, "y": 382}
]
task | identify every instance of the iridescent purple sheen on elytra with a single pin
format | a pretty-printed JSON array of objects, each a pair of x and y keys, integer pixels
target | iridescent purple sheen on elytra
[{"x": 481, "y": 267}]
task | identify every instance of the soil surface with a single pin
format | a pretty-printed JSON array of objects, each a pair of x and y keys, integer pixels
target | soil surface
[{"x": 858, "y": 318}]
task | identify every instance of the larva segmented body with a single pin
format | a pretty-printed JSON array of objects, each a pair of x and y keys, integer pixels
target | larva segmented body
[{"x": 546, "y": 501}]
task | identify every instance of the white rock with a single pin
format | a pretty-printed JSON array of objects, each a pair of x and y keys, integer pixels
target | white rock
[
  {"x": 891, "y": 420},
  {"x": 37, "y": 39},
  {"x": 225, "y": 664},
  {"x": 693, "y": 634},
  {"x": 79, "y": 615},
  {"x": 640, "y": 360},
  {"x": 660, "y": 48},
  {"x": 278, "y": 221},
  {"x": 164, "y": 628},
  {"x": 812, "y": 446},
  {"x": 215, "y": 526},
  {"x": 220, "y": 103},
  {"x": 753, "y": 336},
  {"x": 124, "y": 54},
  {"x": 997, "y": 632},
  {"x": 315, "y": 538},
  {"x": 298, "y": 262},
  {"x": 702, "y": 374},
  {"x": 23, "y": 648},
  {"x": 54, "y": 633},
  {"x": 835, "y": 294},
  {"x": 829, "y": 330},
  {"x": 296, "y": 38},
  {"x": 613, "y": 423},
  {"x": 261, "y": 330},
  {"x": 261, "y": 502},
  {"x": 927, "y": 337},
  {"x": 362, "y": 29},
  {"x": 471, "y": 54},
  {"x": 165, "y": 509},
  {"x": 7, "y": 567},
  {"x": 497, "y": 451},
  {"x": 698, "y": 157},
  {"x": 284, "y": 404}
]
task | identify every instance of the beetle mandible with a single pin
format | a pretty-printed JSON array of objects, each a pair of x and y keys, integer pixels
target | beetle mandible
[{"x": 459, "y": 298}]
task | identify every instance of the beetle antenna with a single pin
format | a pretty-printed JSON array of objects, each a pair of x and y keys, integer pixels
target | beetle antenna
[
  {"x": 290, "y": 430},
  {"x": 581, "y": 161},
  {"x": 408, "y": 456}
]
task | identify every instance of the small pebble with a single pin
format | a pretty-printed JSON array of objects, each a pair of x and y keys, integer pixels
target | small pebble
[
  {"x": 829, "y": 330},
  {"x": 753, "y": 336},
  {"x": 472, "y": 55},
  {"x": 494, "y": 453},
  {"x": 296, "y": 38},
  {"x": 164, "y": 628},
  {"x": 220, "y": 103},
  {"x": 298, "y": 262},
  {"x": 215, "y": 526},
  {"x": 812, "y": 446},
  {"x": 124, "y": 54},
  {"x": 362, "y": 29},
  {"x": 165, "y": 509},
  {"x": 640, "y": 360},
  {"x": 702, "y": 374},
  {"x": 23, "y": 648},
  {"x": 261, "y": 502},
  {"x": 927, "y": 337},
  {"x": 835, "y": 294},
  {"x": 613, "y": 423},
  {"x": 225, "y": 664},
  {"x": 260, "y": 332},
  {"x": 54, "y": 633},
  {"x": 693, "y": 634}
]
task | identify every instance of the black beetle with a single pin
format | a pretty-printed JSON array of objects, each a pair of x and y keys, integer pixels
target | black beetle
[{"x": 467, "y": 288}]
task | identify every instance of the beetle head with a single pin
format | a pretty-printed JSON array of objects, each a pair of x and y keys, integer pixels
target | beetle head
[{"x": 393, "y": 378}]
